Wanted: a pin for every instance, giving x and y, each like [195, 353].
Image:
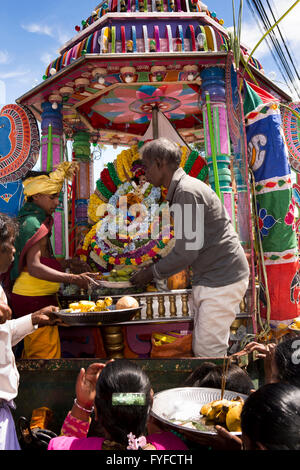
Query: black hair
[122, 376]
[209, 375]
[162, 149]
[271, 417]
[287, 360]
[33, 174]
[8, 226]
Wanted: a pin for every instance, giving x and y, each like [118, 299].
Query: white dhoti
[215, 309]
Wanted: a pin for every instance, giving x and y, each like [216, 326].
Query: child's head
[270, 418]
[209, 375]
[8, 231]
[286, 362]
[119, 420]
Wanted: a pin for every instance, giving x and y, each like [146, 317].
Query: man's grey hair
[162, 149]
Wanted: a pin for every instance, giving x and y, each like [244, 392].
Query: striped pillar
[84, 184]
[242, 199]
[216, 132]
[52, 154]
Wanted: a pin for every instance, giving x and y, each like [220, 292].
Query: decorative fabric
[19, 142]
[51, 184]
[11, 198]
[74, 432]
[34, 224]
[268, 158]
[291, 129]
[161, 441]
[73, 427]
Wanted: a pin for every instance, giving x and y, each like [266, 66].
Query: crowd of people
[113, 401]
[120, 395]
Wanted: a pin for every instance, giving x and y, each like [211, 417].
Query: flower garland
[138, 248]
[108, 181]
[100, 196]
[103, 189]
[114, 174]
[93, 206]
[184, 152]
[196, 166]
[87, 242]
[124, 163]
[190, 161]
[119, 167]
[139, 257]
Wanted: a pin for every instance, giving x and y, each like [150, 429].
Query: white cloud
[46, 58]
[62, 36]
[38, 28]
[289, 27]
[4, 57]
[57, 33]
[13, 74]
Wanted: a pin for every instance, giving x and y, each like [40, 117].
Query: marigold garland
[87, 242]
[184, 156]
[111, 178]
[93, 206]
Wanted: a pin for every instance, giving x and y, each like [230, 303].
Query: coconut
[126, 302]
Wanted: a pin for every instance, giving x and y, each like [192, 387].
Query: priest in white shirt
[11, 332]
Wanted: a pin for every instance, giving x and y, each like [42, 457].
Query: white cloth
[11, 332]
[3, 297]
[8, 435]
[215, 310]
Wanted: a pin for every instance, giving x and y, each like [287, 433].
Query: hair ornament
[136, 443]
[129, 399]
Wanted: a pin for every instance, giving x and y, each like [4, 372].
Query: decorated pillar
[52, 154]
[216, 132]
[84, 185]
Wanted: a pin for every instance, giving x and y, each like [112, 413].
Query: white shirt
[11, 332]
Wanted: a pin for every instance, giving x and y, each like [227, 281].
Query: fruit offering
[126, 302]
[86, 306]
[120, 275]
[225, 413]
[296, 324]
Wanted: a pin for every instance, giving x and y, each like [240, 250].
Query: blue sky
[31, 32]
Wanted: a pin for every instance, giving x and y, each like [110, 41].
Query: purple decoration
[228, 204]
[58, 238]
[53, 117]
[213, 81]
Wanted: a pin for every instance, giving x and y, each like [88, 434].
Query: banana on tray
[86, 306]
[224, 412]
